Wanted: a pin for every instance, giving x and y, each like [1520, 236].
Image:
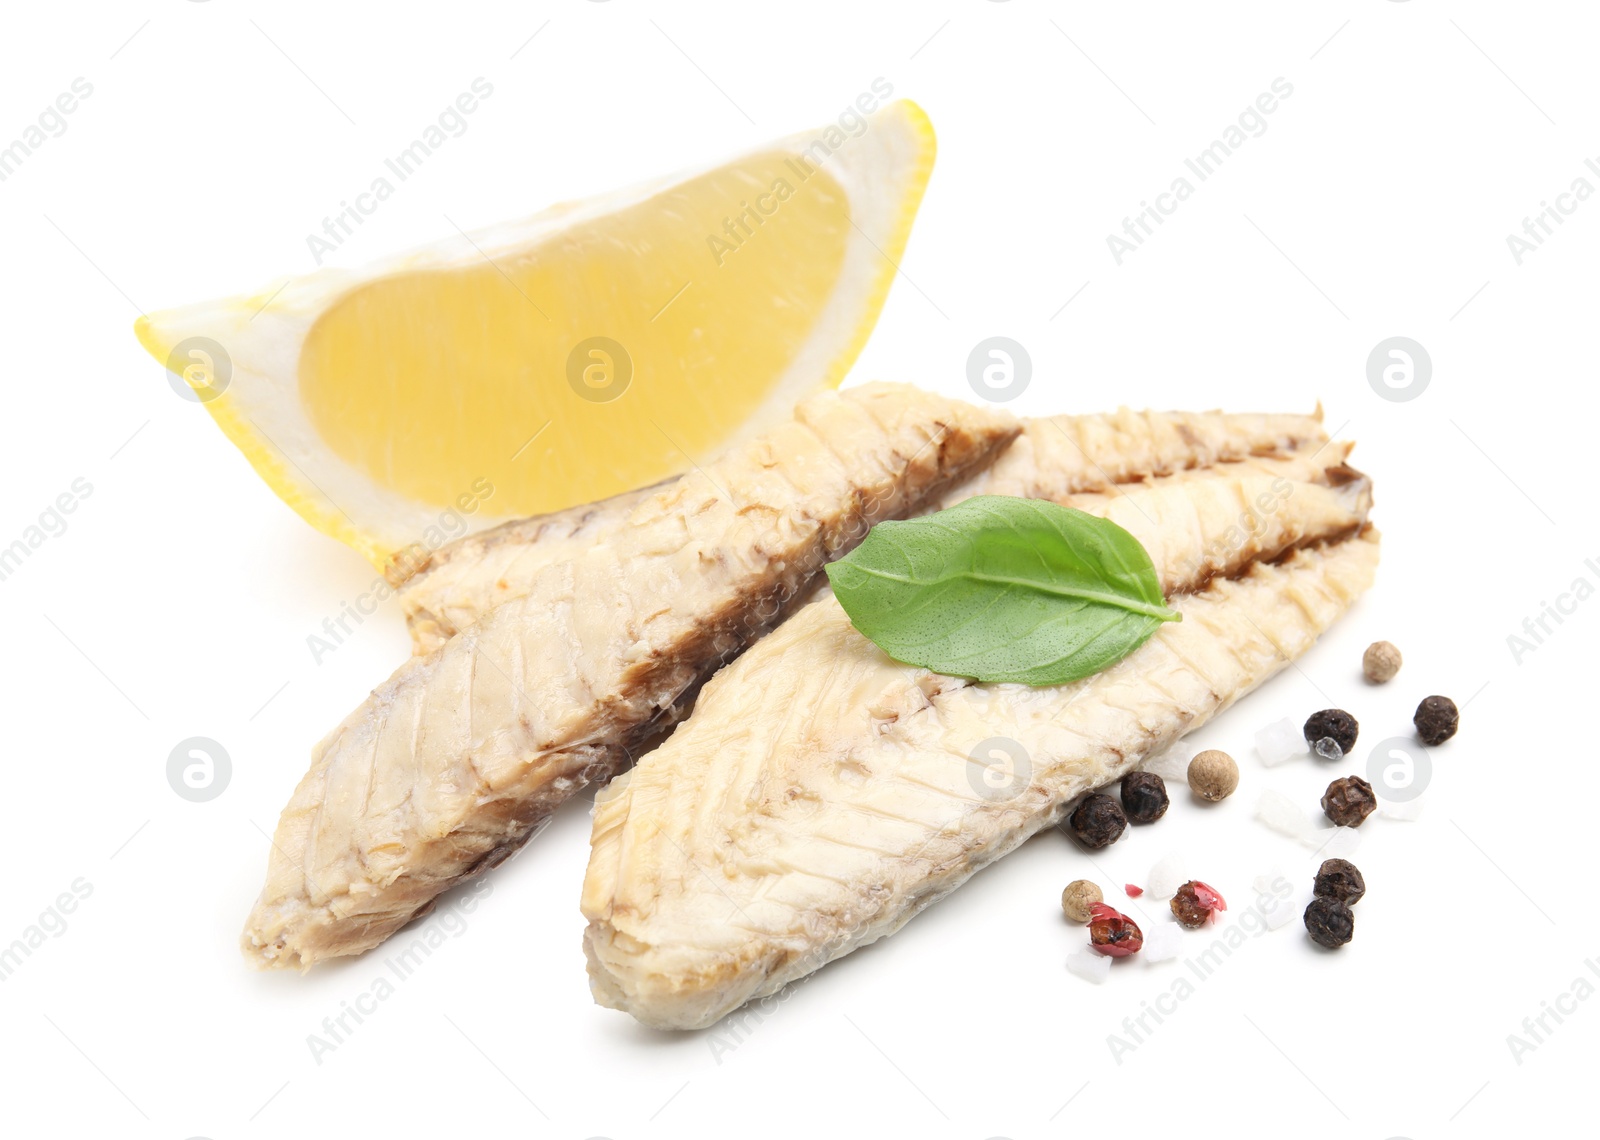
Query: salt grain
[1328, 748]
[1163, 941]
[1277, 906]
[1278, 912]
[1283, 815]
[1166, 876]
[1089, 966]
[1335, 842]
[1280, 741]
[1264, 884]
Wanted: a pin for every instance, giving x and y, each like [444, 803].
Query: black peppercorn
[1144, 797]
[1348, 801]
[1334, 725]
[1437, 720]
[1097, 822]
[1338, 879]
[1330, 923]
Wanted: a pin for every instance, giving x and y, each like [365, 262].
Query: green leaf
[1003, 589]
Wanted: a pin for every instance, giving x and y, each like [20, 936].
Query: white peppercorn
[1380, 662]
[1213, 775]
[1078, 899]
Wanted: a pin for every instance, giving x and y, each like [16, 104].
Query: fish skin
[749, 849]
[1058, 455]
[466, 579]
[449, 766]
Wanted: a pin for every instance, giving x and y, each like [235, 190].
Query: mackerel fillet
[450, 765]
[822, 794]
[462, 581]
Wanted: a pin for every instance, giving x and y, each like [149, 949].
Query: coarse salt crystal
[1267, 885]
[1283, 815]
[1277, 912]
[1276, 899]
[1089, 966]
[1163, 941]
[1335, 842]
[1279, 741]
[1166, 876]
[1328, 748]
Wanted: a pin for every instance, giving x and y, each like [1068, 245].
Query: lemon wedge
[591, 349]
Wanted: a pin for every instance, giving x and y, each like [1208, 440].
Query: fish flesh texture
[822, 794]
[446, 590]
[449, 766]
[464, 580]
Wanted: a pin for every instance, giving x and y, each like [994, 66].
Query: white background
[179, 600]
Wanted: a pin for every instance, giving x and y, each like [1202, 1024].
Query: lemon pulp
[433, 381]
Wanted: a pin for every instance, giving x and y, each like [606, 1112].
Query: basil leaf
[1003, 589]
